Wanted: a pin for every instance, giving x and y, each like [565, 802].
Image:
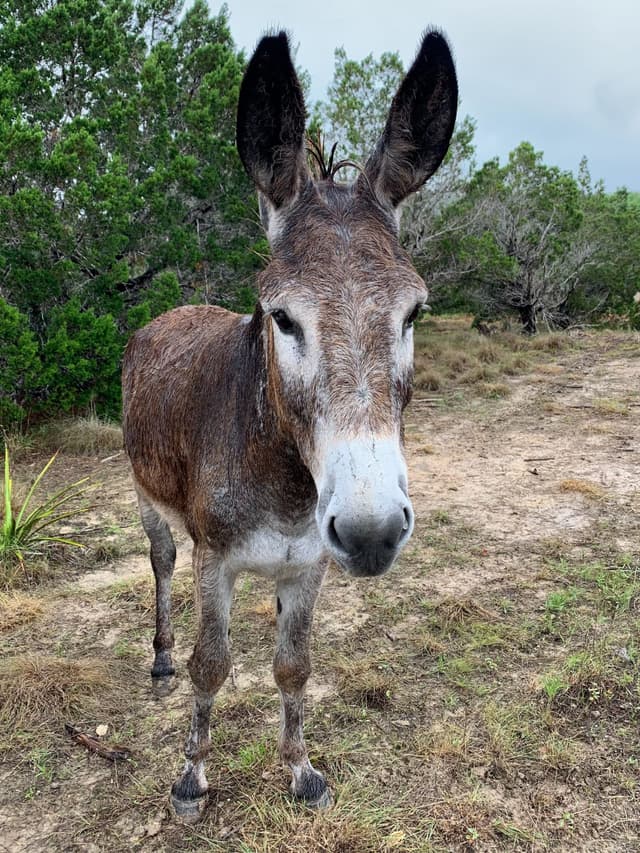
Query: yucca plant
[28, 531]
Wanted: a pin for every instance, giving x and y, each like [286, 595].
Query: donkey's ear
[271, 122]
[419, 126]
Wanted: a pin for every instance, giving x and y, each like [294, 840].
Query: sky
[562, 75]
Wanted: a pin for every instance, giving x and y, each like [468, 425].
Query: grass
[587, 488]
[29, 530]
[42, 692]
[450, 355]
[87, 436]
[17, 609]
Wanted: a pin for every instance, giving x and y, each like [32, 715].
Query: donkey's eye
[413, 316]
[284, 322]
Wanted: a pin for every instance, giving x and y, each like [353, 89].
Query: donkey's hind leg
[163, 559]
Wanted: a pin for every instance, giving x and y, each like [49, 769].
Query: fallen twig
[93, 744]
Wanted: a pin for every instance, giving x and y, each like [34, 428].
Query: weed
[25, 533]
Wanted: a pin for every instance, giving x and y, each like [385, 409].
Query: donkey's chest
[274, 551]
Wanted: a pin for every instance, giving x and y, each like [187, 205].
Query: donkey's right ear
[271, 122]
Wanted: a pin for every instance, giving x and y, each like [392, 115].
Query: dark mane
[322, 167]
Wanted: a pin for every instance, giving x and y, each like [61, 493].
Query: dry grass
[450, 354]
[611, 407]
[456, 611]
[17, 608]
[87, 436]
[365, 682]
[43, 691]
[583, 487]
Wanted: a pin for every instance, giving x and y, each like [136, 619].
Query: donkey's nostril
[407, 520]
[332, 533]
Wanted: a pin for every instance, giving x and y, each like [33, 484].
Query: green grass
[27, 531]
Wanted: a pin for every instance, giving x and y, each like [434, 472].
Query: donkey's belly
[277, 553]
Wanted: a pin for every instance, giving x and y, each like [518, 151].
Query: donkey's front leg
[208, 666]
[296, 598]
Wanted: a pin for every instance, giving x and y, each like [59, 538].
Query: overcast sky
[564, 75]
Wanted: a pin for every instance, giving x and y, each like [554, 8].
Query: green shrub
[81, 362]
[19, 364]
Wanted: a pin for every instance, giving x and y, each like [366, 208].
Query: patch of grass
[18, 608]
[41, 691]
[88, 436]
[42, 763]
[19, 444]
[611, 407]
[587, 488]
[365, 682]
[456, 611]
[251, 755]
[428, 379]
[449, 353]
[559, 600]
[597, 677]
[493, 390]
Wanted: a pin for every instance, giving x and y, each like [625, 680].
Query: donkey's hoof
[163, 685]
[189, 811]
[313, 791]
[324, 801]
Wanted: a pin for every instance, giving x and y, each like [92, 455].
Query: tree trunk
[528, 319]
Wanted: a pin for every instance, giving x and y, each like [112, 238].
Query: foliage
[25, 532]
[121, 192]
[358, 102]
[526, 249]
[19, 364]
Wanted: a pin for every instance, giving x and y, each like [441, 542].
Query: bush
[19, 364]
[81, 362]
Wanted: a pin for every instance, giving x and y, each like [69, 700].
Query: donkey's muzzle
[364, 514]
[367, 547]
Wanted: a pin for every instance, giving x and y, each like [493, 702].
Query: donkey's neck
[265, 449]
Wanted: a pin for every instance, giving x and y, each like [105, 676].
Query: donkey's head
[340, 295]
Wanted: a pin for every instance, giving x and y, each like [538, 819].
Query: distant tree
[527, 249]
[358, 98]
[609, 285]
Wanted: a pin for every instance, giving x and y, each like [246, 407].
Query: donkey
[276, 438]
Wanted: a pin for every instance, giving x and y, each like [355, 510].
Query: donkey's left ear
[271, 122]
[419, 127]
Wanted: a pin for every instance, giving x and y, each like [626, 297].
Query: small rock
[102, 729]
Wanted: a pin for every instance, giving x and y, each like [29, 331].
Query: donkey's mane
[325, 168]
